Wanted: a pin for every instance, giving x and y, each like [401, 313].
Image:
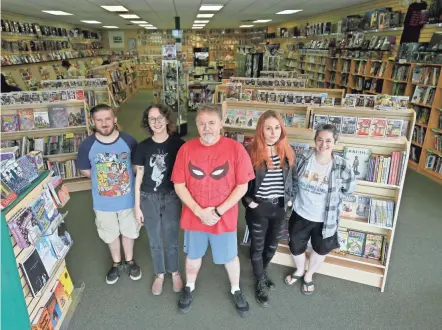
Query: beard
[208, 139]
[105, 133]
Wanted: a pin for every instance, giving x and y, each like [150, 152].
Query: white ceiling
[161, 13]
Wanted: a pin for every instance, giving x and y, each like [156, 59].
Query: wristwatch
[216, 212]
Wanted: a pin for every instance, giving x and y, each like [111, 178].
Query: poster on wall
[132, 43]
[116, 39]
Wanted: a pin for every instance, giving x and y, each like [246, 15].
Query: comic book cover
[24, 228]
[348, 206]
[336, 121]
[357, 159]
[342, 239]
[41, 119]
[299, 146]
[113, 176]
[298, 120]
[373, 246]
[378, 126]
[76, 116]
[58, 116]
[394, 127]
[319, 120]
[230, 117]
[349, 125]
[364, 125]
[26, 119]
[9, 123]
[356, 242]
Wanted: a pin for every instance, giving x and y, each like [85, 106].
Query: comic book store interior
[343, 233]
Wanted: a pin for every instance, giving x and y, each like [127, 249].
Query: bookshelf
[24, 307]
[344, 266]
[65, 132]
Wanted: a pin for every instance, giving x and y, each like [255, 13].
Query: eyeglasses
[160, 120]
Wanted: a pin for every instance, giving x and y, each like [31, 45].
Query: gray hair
[213, 108]
[328, 128]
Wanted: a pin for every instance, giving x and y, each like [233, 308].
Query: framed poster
[132, 44]
[116, 39]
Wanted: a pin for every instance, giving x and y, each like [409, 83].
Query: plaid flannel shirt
[342, 182]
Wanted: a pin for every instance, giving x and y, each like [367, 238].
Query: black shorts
[301, 230]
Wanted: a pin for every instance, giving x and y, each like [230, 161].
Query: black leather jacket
[289, 194]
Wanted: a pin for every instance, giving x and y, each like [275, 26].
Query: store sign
[116, 39]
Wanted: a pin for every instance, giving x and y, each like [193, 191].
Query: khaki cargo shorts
[110, 225]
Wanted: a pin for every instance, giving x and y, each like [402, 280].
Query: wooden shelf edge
[77, 184]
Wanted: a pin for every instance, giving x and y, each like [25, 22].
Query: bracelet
[216, 212]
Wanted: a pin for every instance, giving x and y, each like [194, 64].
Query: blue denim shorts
[224, 246]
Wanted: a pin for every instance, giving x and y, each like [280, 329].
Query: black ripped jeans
[266, 225]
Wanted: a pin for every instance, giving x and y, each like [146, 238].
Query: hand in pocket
[253, 205]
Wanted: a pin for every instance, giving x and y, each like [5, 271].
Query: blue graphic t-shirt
[111, 171]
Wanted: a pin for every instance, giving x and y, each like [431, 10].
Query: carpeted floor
[412, 299]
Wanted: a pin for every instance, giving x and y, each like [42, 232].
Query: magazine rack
[349, 267]
[21, 307]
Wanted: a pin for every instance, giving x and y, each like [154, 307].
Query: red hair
[258, 149]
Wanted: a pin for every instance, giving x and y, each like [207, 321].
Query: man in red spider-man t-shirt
[211, 174]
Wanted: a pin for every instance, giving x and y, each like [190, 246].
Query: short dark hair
[213, 108]
[329, 128]
[65, 63]
[100, 107]
[165, 112]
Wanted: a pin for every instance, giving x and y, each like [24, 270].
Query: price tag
[69, 135]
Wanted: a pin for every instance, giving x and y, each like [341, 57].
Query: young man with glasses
[106, 158]
[156, 203]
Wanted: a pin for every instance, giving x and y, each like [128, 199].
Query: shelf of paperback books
[369, 216]
[52, 123]
[38, 242]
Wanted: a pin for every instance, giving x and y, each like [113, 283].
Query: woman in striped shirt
[268, 196]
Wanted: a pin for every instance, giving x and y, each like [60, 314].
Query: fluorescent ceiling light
[145, 25]
[262, 21]
[197, 27]
[288, 12]
[114, 8]
[129, 16]
[91, 22]
[110, 27]
[245, 26]
[139, 22]
[205, 15]
[150, 28]
[201, 22]
[210, 7]
[57, 12]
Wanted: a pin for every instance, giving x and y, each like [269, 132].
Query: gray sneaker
[114, 273]
[134, 270]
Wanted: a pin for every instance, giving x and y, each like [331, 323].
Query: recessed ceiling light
[205, 15]
[288, 12]
[262, 21]
[57, 12]
[150, 28]
[110, 27]
[210, 7]
[201, 22]
[115, 8]
[129, 16]
[139, 22]
[197, 27]
[91, 22]
[145, 25]
[243, 26]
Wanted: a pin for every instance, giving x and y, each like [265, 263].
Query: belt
[274, 201]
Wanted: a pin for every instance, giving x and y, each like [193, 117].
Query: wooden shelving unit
[73, 184]
[352, 268]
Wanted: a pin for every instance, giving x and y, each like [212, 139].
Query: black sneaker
[134, 270]
[241, 304]
[262, 293]
[114, 273]
[270, 284]
[185, 300]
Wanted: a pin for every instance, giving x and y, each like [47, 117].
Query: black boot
[262, 293]
[270, 284]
